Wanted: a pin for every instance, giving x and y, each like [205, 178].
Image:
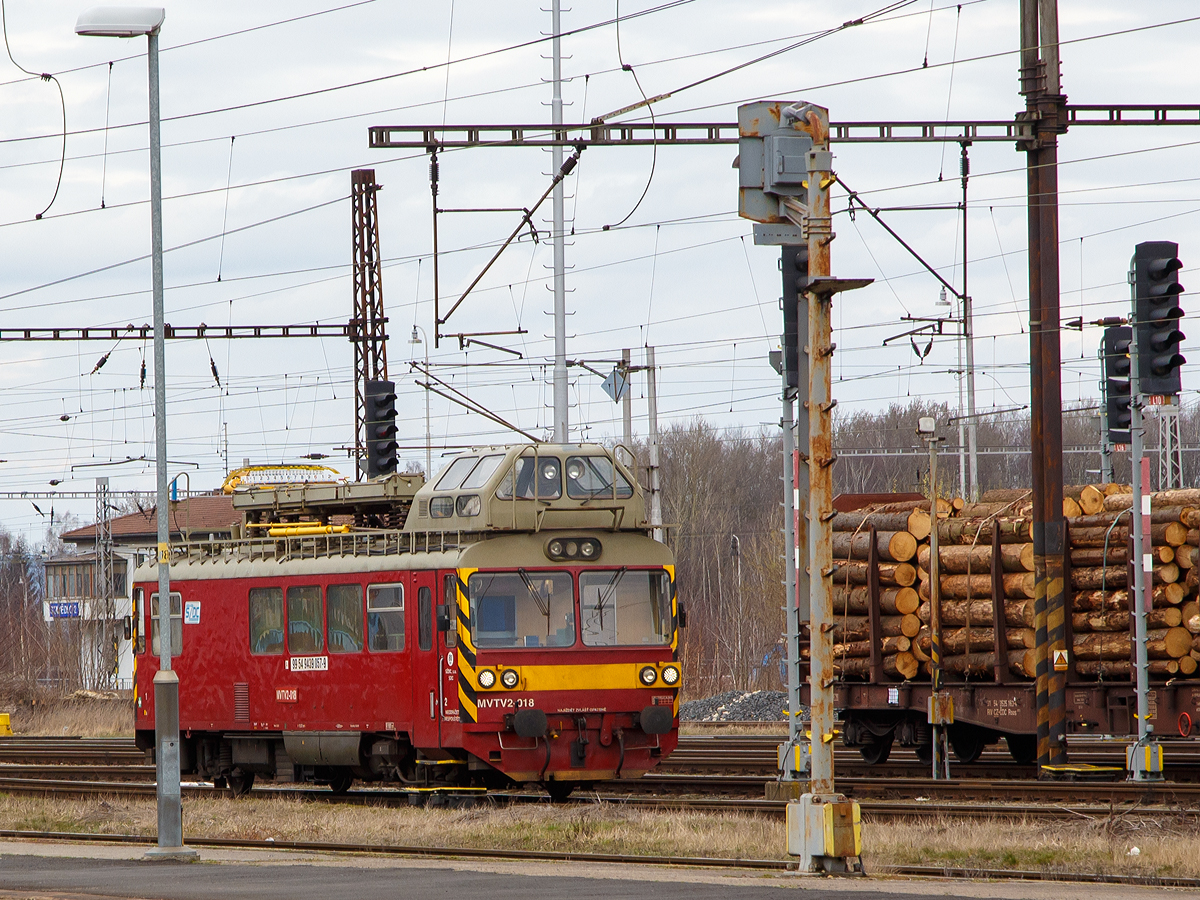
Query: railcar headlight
[487, 678]
[567, 549]
[670, 675]
[648, 675]
[509, 678]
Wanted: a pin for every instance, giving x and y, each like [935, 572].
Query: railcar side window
[305, 634]
[266, 620]
[176, 624]
[522, 609]
[425, 618]
[526, 482]
[385, 617]
[621, 608]
[344, 618]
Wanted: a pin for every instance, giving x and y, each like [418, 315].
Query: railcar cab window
[455, 473]
[622, 607]
[176, 624]
[589, 477]
[531, 479]
[344, 618]
[482, 472]
[522, 609]
[305, 629]
[266, 621]
[385, 618]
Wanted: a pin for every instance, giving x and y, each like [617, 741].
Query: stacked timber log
[986, 606]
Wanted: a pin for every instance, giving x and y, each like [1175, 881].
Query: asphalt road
[76, 872]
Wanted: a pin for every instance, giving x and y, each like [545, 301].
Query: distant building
[72, 589]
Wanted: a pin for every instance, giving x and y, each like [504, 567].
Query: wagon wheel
[1022, 747]
[240, 782]
[340, 782]
[559, 791]
[924, 752]
[876, 753]
[967, 744]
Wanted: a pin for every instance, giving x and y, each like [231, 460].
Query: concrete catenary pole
[560, 264]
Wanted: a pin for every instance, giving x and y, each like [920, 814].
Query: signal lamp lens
[648, 675]
[670, 675]
[574, 470]
[509, 679]
[555, 549]
[550, 472]
[487, 678]
[572, 549]
[587, 549]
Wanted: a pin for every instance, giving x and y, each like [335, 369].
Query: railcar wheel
[559, 791]
[340, 782]
[1022, 748]
[240, 783]
[877, 753]
[967, 743]
[924, 752]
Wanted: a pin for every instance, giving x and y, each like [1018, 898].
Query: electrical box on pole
[381, 428]
[1115, 361]
[1156, 291]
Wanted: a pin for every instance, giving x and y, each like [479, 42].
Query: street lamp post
[128, 22]
[428, 440]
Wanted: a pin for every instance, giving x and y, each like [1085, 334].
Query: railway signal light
[381, 428]
[1115, 365]
[794, 265]
[1156, 291]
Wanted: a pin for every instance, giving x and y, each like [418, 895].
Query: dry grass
[594, 828]
[1168, 847]
[85, 717]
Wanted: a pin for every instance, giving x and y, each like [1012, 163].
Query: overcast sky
[241, 150]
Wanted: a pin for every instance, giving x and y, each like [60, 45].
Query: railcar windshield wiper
[542, 605]
[608, 592]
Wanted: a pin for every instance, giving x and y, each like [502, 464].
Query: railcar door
[447, 637]
[427, 658]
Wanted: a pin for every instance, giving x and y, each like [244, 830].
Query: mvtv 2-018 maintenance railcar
[520, 626]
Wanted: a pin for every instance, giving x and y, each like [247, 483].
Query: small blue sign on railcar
[65, 610]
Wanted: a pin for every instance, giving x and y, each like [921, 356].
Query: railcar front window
[522, 609]
[344, 618]
[590, 477]
[305, 626]
[527, 481]
[266, 620]
[176, 624]
[622, 608]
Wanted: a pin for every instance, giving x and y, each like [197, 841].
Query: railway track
[729, 772]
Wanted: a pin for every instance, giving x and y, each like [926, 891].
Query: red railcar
[520, 627]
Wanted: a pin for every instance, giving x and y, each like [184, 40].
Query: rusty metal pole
[820, 455]
[1054, 115]
[1039, 84]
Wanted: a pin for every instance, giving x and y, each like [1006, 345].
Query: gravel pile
[737, 706]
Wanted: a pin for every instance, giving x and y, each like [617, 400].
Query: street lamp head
[120, 21]
[415, 339]
[926, 425]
